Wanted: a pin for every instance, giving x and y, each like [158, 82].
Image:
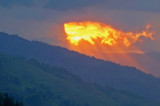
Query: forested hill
[38, 84]
[87, 68]
[6, 100]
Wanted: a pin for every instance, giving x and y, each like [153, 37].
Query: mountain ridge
[90, 69]
[37, 84]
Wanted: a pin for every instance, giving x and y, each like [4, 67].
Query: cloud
[11, 3]
[41, 23]
[65, 5]
[136, 5]
[43, 19]
[71, 4]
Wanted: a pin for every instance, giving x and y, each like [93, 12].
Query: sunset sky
[44, 20]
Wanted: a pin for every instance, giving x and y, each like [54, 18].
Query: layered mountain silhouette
[37, 84]
[89, 69]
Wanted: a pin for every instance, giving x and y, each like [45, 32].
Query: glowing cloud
[94, 31]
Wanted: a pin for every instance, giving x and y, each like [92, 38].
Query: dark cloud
[54, 4]
[72, 4]
[138, 5]
[10, 3]
[63, 5]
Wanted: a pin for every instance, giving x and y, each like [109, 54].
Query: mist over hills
[147, 62]
[91, 70]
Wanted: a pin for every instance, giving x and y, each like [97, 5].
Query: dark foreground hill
[6, 100]
[37, 84]
[88, 68]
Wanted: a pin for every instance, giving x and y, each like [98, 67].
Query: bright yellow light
[91, 31]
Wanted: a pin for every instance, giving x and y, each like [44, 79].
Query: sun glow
[106, 42]
[93, 31]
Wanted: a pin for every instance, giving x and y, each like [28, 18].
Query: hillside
[37, 84]
[88, 68]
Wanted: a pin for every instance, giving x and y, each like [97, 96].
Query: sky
[43, 20]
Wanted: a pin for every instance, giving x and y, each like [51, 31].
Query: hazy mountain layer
[37, 84]
[88, 68]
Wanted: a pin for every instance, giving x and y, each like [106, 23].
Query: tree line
[6, 100]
